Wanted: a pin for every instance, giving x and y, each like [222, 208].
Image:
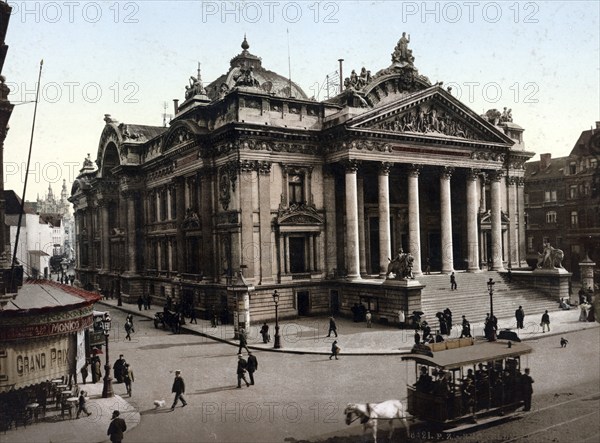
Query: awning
[38, 253]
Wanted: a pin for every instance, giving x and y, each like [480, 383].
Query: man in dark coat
[243, 341]
[118, 369]
[241, 371]
[332, 327]
[251, 366]
[116, 428]
[179, 389]
[545, 321]
[520, 316]
[527, 388]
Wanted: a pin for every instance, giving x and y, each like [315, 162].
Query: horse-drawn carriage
[459, 387]
[169, 319]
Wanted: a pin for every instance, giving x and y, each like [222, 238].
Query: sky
[131, 58]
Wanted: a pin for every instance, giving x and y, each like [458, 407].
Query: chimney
[176, 105]
[341, 60]
[545, 161]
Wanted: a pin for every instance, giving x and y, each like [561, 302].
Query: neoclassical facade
[300, 195]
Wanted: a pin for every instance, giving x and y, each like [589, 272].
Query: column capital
[520, 181]
[263, 167]
[494, 176]
[384, 168]
[511, 180]
[473, 174]
[246, 166]
[414, 170]
[446, 172]
[351, 165]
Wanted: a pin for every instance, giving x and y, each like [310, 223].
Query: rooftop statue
[245, 77]
[195, 88]
[401, 52]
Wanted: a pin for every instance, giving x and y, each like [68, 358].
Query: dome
[246, 70]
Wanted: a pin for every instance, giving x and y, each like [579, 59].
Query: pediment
[299, 214]
[432, 113]
[181, 133]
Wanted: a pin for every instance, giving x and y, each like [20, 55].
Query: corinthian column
[446, 220]
[521, 212]
[414, 223]
[496, 219]
[352, 243]
[513, 241]
[385, 249]
[472, 234]
[105, 245]
[131, 232]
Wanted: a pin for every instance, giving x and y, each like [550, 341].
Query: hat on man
[177, 371]
[116, 414]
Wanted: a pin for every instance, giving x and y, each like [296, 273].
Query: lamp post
[490, 285]
[107, 390]
[277, 344]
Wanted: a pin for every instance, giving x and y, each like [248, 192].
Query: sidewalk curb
[234, 343]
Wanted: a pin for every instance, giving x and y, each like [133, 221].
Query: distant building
[562, 202]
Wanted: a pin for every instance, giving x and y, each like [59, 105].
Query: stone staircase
[472, 298]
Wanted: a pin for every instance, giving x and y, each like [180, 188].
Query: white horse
[370, 413]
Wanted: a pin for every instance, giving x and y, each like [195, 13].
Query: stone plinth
[554, 282]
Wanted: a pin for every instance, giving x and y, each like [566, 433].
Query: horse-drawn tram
[461, 384]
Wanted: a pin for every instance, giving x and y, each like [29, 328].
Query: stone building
[309, 198]
[562, 202]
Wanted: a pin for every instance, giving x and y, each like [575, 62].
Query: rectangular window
[574, 219]
[559, 242]
[572, 168]
[526, 199]
[573, 191]
[530, 243]
[173, 204]
[551, 217]
[296, 188]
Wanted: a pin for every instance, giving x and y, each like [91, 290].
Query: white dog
[159, 404]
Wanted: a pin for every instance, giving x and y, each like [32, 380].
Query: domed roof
[246, 70]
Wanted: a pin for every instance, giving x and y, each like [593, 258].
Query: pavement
[305, 335]
[53, 428]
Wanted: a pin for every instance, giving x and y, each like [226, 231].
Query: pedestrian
[118, 368]
[116, 428]
[140, 302]
[193, 315]
[147, 302]
[368, 317]
[243, 341]
[448, 319]
[466, 328]
[179, 389]
[335, 350]
[453, 286]
[82, 405]
[251, 366]
[85, 370]
[527, 389]
[264, 332]
[332, 327]
[241, 371]
[128, 378]
[401, 318]
[520, 316]
[96, 370]
[129, 318]
[128, 329]
[427, 267]
[545, 321]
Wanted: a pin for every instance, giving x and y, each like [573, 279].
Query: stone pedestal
[554, 282]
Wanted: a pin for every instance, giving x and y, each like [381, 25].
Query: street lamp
[490, 285]
[277, 344]
[107, 390]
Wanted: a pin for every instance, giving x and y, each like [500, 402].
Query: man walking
[369, 318]
[118, 368]
[332, 327]
[243, 341]
[179, 389]
[520, 316]
[453, 286]
[128, 378]
[545, 321]
[251, 366]
[335, 350]
[241, 371]
[116, 428]
[82, 405]
[128, 330]
[466, 328]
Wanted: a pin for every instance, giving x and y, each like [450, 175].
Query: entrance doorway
[297, 255]
[303, 303]
[334, 302]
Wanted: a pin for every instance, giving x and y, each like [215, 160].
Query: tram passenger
[497, 387]
[482, 385]
[468, 396]
[425, 382]
[527, 389]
